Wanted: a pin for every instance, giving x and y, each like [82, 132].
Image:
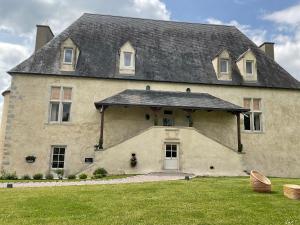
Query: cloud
[287, 38]
[10, 54]
[258, 36]
[290, 16]
[60, 13]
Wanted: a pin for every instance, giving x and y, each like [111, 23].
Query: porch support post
[238, 120]
[155, 111]
[102, 110]
[189, 116]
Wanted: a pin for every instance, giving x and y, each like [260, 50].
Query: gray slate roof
[183, 100]
[165, 51]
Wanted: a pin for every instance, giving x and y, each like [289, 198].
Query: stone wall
[275, 151]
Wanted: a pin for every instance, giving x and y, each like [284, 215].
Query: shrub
[98, 176]
[49, 176]
[26, 177]
[100, 171]
[82, 176]
[72, 177]
[60, 173]
[8, 176]
[38, 176]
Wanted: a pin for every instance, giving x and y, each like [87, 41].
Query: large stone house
[171, 96]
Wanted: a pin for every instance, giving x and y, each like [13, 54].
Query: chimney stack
[43, 35]
[268, 48]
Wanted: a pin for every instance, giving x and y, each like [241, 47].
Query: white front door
[171, 156]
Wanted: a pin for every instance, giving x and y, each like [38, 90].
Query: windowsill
[67, 63]
[252, 132]
[60, 123]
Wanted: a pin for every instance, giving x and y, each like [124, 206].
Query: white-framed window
[224, 64]
[58, 157]
[170, 151]
[249, 67]
[127, 59]
[60, 104]
[68, 56]
[253, 118]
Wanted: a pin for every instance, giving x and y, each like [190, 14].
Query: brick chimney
[43, 35]
[268, 48]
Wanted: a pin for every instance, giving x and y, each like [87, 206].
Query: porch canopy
[158, 99]
[183, 100]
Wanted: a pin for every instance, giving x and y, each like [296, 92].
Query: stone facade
[274, 151]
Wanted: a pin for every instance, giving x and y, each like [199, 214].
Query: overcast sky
[262, 20]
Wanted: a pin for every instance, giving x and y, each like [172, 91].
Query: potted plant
[60, 173]
[133, 160]
[30, 159]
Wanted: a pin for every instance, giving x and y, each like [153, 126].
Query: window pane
[54, 111]
[55, 93]
[55, 150]
[168, 147]
[168, 154]
[68, 55]
[249, 67]
[256, 104]
[174, 147]
[62, 151]
[224, 66]
[247, 103]
[127, 58]
[67, 93]
[61, 165]
[174, 154]
[257, 121]
[55, 158]
[61, 158]
[54, 165]
[66, 112]
[247, 121]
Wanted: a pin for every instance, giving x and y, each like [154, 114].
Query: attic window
[127, 58]
[224, 65]
[68, 55]
[249, 67]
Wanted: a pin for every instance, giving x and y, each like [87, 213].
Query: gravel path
[133, 179]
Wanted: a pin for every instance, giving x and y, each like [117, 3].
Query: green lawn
[199, 201]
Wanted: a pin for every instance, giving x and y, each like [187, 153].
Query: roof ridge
[160, 20]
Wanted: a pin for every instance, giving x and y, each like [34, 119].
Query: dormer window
[224, 65]
[246, 64]
[127, 59]
[249, 67]
[68, 55]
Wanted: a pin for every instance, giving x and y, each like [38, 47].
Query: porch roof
[184, 100]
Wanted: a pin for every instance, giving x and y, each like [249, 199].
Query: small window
[127, 58]
[88, 160]
[58, 157]
[60, 104]
[247, 121]
[224, 65]
[249, 67]
[68, 55]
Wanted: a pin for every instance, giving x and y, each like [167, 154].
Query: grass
[201, 201]
[66, 180]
